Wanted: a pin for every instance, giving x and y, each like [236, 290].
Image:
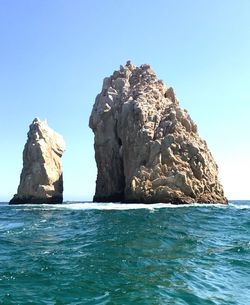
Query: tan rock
[147, 147]
[41, 179]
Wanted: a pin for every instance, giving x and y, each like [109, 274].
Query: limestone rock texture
[41, 179]
[147, 147]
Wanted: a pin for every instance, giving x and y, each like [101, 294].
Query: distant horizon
[91, 201]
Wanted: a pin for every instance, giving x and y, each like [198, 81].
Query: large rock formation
[41, 179]
[147, 148]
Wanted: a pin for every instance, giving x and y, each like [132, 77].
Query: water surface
[87, 253]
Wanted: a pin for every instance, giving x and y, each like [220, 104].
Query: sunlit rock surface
[41, 179]
[147, 147]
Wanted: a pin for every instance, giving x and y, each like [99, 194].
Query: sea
[112, 253]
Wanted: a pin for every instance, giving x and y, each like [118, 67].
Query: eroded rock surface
[147, 147]
[41, 179]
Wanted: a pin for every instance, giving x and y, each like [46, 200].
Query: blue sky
[55, 54]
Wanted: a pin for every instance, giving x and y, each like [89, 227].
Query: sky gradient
[55, 54]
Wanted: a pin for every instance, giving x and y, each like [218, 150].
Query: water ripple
[79, 253]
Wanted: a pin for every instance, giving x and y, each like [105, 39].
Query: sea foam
[120, 206]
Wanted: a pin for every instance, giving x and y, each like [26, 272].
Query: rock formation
[147, 148]
[41, 179]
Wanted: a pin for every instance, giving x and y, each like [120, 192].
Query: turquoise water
[83, 253]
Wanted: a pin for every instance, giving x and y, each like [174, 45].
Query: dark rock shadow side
[17, 199]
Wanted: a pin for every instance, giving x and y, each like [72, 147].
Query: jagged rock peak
[41, 180]
[147, 147]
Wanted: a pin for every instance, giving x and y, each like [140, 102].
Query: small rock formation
[41, 179]
[147, 148]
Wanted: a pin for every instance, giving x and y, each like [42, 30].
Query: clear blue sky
[55, 54]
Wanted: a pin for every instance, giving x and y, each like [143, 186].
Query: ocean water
[88, 253]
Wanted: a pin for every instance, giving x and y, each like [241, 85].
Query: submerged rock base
[147, 147]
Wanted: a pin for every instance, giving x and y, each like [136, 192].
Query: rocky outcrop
[41, 179]
[147, 147]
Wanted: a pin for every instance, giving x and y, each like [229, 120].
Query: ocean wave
[119, 206]
[239, 206]
[185, 254]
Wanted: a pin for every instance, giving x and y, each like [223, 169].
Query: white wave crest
[125, 206]
[239, 206]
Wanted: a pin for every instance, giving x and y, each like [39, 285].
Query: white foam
[124, 206]
[239, 206]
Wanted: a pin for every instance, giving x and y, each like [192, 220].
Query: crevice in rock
[145, 137]
[122, 176]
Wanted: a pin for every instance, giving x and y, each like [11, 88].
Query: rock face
[41, 179]
[147, 148]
